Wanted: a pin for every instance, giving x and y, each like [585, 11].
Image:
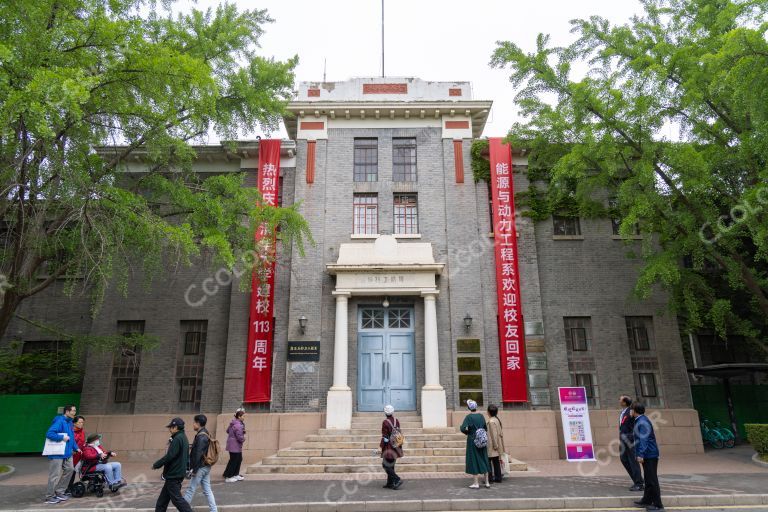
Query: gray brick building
[405, 245]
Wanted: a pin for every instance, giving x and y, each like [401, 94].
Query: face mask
[96, 443]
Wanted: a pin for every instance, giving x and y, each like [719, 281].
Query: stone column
[433, 407]
[339, 404]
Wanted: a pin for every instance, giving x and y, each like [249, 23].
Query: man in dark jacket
[647, 452]
[174, 466]
[201, 472]
[627, 444]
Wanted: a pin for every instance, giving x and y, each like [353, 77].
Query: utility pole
[382, 38]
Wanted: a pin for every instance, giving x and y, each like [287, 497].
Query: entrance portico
[386, 268]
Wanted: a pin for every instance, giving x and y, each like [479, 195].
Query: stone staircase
[356, 451]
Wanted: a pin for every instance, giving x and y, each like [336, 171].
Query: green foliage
[481, 167]
[38, 372]
[757, 435]
[670, 119]
[79, 74]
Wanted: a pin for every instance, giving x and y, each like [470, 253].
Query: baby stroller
[91, 481]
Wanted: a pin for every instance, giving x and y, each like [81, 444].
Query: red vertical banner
[258, 364]
[514, 385]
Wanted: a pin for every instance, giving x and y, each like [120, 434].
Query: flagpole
[382, 38]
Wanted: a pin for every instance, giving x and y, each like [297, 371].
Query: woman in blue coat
[477, 458]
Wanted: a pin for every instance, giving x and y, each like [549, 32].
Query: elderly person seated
[96, 458]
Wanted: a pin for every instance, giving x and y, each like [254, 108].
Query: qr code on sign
[576, 429]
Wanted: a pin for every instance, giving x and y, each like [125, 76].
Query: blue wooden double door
[386, 359]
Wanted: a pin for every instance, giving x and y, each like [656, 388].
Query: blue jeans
[113, 471]
[203, 478]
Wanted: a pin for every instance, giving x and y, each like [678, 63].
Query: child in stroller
[96, 470]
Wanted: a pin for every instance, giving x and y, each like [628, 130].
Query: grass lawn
[4, 468]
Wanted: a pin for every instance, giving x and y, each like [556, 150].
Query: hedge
[757, 434]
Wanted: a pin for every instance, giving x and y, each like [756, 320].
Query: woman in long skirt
[477, 458]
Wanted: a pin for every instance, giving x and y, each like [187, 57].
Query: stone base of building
[339, 409]
[528, 435]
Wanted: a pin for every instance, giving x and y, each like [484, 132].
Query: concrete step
[344, 438]
[376, 430]
[373, 467]
[377, 424]
[362, 452]
[361, 461]
[323, 444]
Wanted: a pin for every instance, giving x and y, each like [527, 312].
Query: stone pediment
[385, 266]
[386, 251]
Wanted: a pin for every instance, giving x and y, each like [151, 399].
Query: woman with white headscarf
[389, 452]
[474, 428]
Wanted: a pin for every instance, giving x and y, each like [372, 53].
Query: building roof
[386, 98]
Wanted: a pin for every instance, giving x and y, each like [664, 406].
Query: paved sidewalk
[715, 478]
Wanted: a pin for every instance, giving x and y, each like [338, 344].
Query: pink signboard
[574, 411]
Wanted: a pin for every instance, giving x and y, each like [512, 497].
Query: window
[577, 333]
[372, 319]
[187, 389]
[192, 342]
[190, 363]
[126, 363]
[585, 380]
[366, 159]
[123, 390]
[399, 318]
[578, 337]
[638, 333]
[566, 226]
[648, 385]
[406, 214]
[366, 214]
[404, 159]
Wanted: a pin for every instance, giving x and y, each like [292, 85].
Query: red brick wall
[312, 125]
[456, 125]
[385, 88]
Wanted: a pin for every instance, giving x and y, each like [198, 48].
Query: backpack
[396, 438]
[211, 456]
[481, 438]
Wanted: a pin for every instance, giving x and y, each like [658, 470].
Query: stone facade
[583, 276]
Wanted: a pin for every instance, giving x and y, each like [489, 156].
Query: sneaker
[239, 477]
[231, 479]
[52, 500]
[397, 484]
[62, 497]
[637, 487]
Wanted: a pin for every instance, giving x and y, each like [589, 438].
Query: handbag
[54, 447]
[505, 464]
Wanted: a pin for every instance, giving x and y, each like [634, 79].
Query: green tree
[77, 74]
[697, 69]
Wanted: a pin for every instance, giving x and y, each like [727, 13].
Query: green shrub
[757, 434]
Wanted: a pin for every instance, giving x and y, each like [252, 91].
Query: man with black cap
[174, 466]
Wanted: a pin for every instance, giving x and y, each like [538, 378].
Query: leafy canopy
[670, 118]
[76, 75]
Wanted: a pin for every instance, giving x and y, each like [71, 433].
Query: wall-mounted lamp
[302, 324]
[467, 321]
[386, 302]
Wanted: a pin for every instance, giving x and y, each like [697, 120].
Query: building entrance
[386, 359]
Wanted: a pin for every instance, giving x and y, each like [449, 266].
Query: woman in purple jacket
[235, 440]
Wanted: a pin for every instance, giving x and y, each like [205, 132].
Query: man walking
[60, 467]
[647, 452]
[174, 466]
[201, 472]
[627, 444]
